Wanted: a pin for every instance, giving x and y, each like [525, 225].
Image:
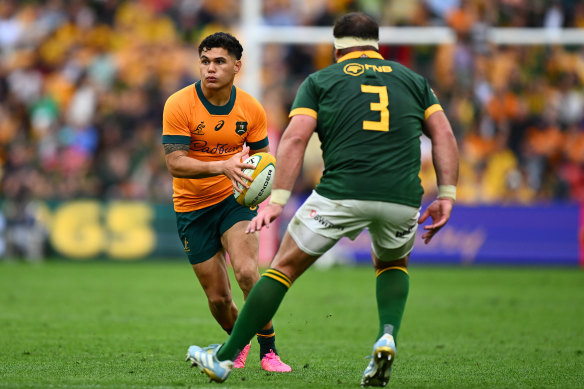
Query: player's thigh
[393, 231]
[291, 259]
[242, 248]
[315, 228]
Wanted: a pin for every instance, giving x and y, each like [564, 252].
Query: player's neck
[217, 96]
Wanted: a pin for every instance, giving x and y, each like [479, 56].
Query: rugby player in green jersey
[369, 114]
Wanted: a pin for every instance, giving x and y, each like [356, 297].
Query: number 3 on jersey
[381, 107]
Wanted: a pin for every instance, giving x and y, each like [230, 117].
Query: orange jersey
[213, 133]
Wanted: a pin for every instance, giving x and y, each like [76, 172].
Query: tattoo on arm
[170, 147]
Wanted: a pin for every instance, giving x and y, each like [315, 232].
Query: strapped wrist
[280, 196]
[447, 192]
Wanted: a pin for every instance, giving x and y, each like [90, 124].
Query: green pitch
[113, 325]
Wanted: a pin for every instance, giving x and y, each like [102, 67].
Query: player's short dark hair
[357, 24]
[223, 40]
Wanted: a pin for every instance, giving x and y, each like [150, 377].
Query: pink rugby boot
[271, 362]
[239, 362]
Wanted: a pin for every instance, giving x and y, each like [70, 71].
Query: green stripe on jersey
[180, 139]
[259, 144]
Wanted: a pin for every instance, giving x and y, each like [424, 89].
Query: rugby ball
[263, 176]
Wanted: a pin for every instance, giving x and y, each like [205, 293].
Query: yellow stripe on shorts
[278, 276]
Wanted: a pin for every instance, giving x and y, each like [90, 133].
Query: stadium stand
[83, 83]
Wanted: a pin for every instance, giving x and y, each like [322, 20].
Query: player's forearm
[445, 158]
[290, 157]
[290, 154]
[184, 166]
[444, 148]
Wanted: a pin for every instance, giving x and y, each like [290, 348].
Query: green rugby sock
[392, 287]
[260, 306]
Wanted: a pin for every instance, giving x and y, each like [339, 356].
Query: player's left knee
[381, 264]
[246, 277]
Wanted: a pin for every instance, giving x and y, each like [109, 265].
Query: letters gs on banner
[87, 229]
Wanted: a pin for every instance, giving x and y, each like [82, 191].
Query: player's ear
[237, 66]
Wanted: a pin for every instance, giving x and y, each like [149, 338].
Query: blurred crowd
[83, 84]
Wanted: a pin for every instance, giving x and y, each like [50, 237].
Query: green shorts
[200, 231]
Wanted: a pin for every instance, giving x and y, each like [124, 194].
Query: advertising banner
[502, 235]
[122, 230]
[90, 229]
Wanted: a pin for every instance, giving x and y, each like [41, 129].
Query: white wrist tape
[447, 192]
[280, 196]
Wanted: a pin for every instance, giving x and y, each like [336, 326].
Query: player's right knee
[220, 301]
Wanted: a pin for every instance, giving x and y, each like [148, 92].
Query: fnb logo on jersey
[356, 69]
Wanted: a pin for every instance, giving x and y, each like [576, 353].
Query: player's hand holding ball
[234, 169]
[258, 175]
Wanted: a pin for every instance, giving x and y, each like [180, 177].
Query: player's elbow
[295, 141]
[292, 146]
[174, 167]
[176, 173]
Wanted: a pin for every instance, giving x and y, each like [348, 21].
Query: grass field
[128, 325]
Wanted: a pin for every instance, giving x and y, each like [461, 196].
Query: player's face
[218, 68]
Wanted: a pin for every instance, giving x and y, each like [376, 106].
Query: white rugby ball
[261, 186]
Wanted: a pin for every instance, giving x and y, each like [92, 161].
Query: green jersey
[370, 114]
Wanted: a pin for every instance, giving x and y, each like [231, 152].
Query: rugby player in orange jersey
[208, 129]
